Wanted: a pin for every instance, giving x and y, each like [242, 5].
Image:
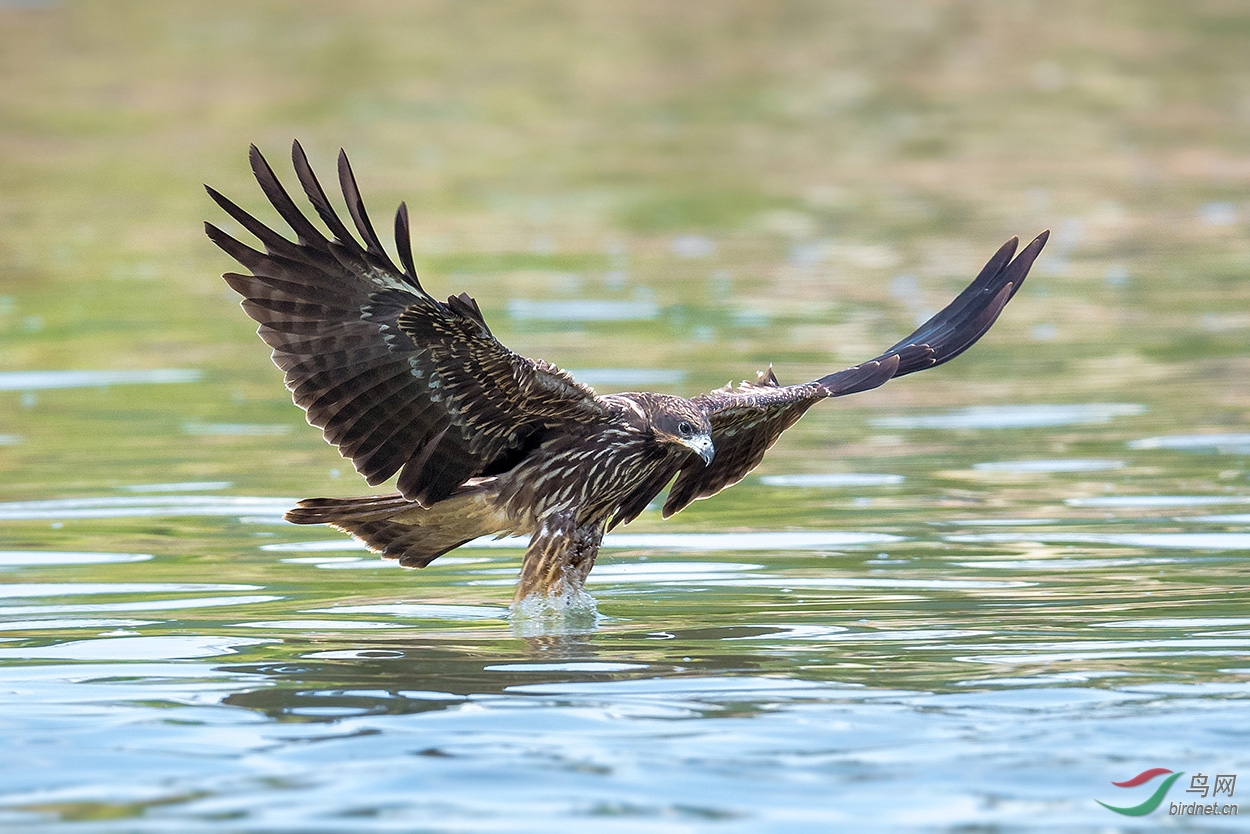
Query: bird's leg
[560, 555]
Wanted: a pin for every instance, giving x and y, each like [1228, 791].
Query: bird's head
[679, 422]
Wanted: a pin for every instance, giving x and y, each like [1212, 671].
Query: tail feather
[401, 529]
[330, 510]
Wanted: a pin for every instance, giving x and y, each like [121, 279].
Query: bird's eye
[685, 428]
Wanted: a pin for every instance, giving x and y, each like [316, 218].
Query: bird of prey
[486, 442]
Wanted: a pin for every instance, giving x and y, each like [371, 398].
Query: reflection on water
[228, 429]
[1106, 649]
[61, 589]
[29, 558]
[1226, 444]
[311, 625]
[722, 542]
[1040, 415]
[1177, 622]
[1157, 501]
[185, 486]
[659, 572]
[178, 604]
[832, 480]
[420, 611]
[582, 310]
[125, 506]
[870, 582]
[636, 378]
[565, 667]
[160, 647]
[60, 623]
[1030, 467]
[725, 542]
[42, 380]
[1185, 541]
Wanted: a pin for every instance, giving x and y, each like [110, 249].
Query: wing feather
[403, 243]
[305, 231]
[356, 208]
[746, 421]
[317, 196]
[398, 381]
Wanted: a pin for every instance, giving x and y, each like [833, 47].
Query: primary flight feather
[485, 441]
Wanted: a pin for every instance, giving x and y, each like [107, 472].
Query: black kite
[486, 442]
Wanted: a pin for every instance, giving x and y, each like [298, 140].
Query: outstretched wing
[747, 420]
[398, 381]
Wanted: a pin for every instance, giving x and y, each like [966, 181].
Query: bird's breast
[590, 473]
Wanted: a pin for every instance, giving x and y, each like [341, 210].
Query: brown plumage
[487, 442]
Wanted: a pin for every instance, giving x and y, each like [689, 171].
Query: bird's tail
[404, 530]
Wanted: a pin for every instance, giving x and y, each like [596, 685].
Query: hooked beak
[702, 446]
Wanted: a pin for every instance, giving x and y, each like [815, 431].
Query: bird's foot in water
[563, 611]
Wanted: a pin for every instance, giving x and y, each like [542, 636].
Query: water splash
[564, 613]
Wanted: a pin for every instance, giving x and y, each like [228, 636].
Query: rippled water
[1032, 602]
[873, 660]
